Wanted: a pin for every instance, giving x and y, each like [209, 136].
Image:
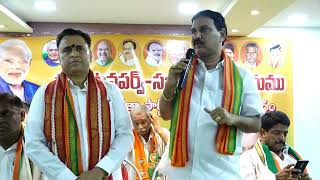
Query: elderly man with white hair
[150, 140]
[15, 60]
[50, 53]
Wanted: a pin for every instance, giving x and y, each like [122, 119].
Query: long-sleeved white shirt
[7, 158]
[204, 161]
[121, 134]
[252, 167]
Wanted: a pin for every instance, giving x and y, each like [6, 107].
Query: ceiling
[15, 14]
[309, 8]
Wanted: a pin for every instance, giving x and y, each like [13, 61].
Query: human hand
[286, 173]
[154, 119]
[94, 174]
[221, 116]
[305, 176]
[174, 76]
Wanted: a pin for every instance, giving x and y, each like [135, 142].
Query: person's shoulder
[42, 89]
[248, 155]
[112, 88]
[3, 82]
[109, 84]
[4, 86]
[244, 72]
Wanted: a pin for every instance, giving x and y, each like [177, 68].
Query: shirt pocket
[213, 98]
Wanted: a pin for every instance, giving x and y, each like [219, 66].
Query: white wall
[306, 89]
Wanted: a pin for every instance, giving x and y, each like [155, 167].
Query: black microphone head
[190, 53]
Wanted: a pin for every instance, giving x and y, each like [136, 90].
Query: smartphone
[301, 164]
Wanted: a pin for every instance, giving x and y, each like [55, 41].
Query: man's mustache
[281, 142]
[198, 41]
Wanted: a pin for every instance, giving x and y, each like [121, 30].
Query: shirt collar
[218, 66]
[285, 149]
[101, 63]
[75, 86]
[13, 147]
[151, 136]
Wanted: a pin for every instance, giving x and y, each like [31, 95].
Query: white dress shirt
[204, 161]
[121, 134]
[152, 62]
[251, 65]
[129, 62]
[7, 158]
[287, 159]
[252, 167]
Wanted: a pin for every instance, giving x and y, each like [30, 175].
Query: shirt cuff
[107, 164]
[67, 174]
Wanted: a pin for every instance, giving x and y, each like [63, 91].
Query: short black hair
[217, 18]
[229, 46]
[26, 106]
[252, 44]
[11, 100]
[127, 41]
[270, 119]
[275, 47]
[148, 47]
[73, 32]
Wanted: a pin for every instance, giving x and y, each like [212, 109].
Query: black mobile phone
[301, 164]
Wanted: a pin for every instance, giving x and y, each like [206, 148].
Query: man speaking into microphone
[218, 102]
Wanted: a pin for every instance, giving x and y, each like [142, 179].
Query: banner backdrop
[139, 64]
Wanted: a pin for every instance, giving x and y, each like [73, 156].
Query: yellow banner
[141, 74]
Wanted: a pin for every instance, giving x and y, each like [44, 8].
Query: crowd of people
[78, 126]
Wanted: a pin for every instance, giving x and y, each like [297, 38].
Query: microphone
[184, 74]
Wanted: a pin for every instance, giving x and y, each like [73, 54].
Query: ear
[23, 115]
[223, 35]
[263, 133]
[90, 54]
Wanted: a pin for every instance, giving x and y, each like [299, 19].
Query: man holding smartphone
[271, 157]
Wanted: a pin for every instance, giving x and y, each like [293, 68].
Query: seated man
[13, 162]
[271, 158]
[149, 143]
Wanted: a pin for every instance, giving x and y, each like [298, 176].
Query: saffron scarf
[60, 125]
[226, 135]
[19, 160]
[269, 160]
[146, 166]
